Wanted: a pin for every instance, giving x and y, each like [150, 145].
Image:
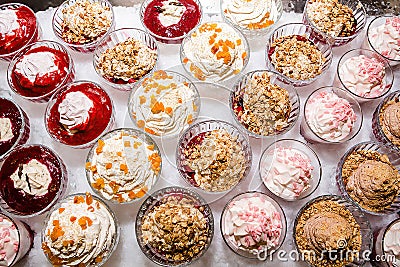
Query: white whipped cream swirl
[6, 133]
[36, 65]
[386, 38]
[8, 22]
[74, 111]
[391, 242]
[172, 11]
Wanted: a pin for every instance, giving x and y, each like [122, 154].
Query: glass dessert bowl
[123, 166]
[368, 175]
[343, 20]
[294, 51]
[385, 121]
[19, 29]
[331, 115]
[254, 17]
[33, 178]
[82, 24]
[214, 52]
[164, 103]
[253, 224]
[80, 230]
[213, 156]
[16, 238]
[78, 113]
[330, 231]
[365, 74]
[382, 37]
[37, 71]
[124, 57]
[386, 245]
[264, 103]
[169, 21]
[193, 216]
[290, 169]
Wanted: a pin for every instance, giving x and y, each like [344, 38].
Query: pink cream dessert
[364, 76]
[385, 38]
[252, 223]
[287, 172]
[329, 116]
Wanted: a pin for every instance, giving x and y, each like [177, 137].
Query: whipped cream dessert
[6, 132]
[329, 116]
[386, 38]
[251, 14]
[33, 178]
[123, 166]
[74, 111]
[364, 76]
[85, 21]
[214, 52]
[389, 120]
[286, 172]
[253, 224]
[391, 242]
[8, 22]
[171, 12]
[162, 105]
[82, 231]
[9, 241]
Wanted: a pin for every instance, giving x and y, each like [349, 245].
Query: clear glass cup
[377, 128]
[113, 39]
[193, 68]
[164, 124]
[393, 157]
[82, 48]
[274, 7]
[359, 14]
[58, 133]
[311, 136]
[99, 213]
[380, 257]
[197, 131]
[20, 233]
[163, 196]
[226, 222]
[239, 89]
[164, 39]
[20, 118]
[322, 42]
[266, 168]
[368, 41]
[36, 35]
[359, 216]
[143, 183]
[388, 78]
[14, 198]
[69, 77]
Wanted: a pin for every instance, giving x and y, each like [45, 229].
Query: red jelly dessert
[32, 179]
[14, 126]
[171, 18]
[36, 72]
[18, 27]
[79, 113]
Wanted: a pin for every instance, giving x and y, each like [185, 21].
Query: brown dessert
[389, 120]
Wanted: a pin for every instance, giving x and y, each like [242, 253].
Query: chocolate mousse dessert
[389, 120]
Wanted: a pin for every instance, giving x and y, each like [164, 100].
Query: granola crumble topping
[332, 17]
[371, 180]
[296, 57]
[129, 61]
[261, 106]
[327, 226]
[216, 160]
[85, 21]
[176, 228]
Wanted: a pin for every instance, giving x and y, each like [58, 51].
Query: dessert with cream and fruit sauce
[124, 165]
[164, 103]
[18, 28]
[80, 231]
[33, 178]
[79, 113]
[214, 52]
